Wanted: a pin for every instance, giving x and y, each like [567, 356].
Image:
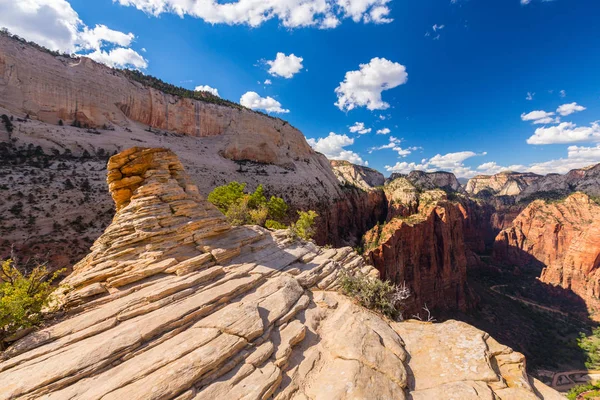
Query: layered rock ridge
[561, 237]
[173, 303]
[218, 144]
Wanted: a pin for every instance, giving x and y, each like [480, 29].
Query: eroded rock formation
[563, 238]
[427, 252]
[172, 302]
[218, 143]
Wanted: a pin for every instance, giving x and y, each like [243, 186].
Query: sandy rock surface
[172, 302]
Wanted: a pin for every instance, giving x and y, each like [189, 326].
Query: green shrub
[586, 387]
[271, 224]
[591, 348]
[248, 208]
[374, 294]
[224, 196]
[304, 227]
[278, 208]
[22, 297]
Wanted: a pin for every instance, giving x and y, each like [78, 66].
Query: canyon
[172, 302]
[271, 305]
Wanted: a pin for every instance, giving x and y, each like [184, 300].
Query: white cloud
[525, 2]
[119, 57]
[253, 101]
[451, 162]
[540, 117]
[437, 27]
[529, 96]
[333, 147]
[268, 82]
[97, 37]
[57, 26]
[383, 131]
[577, 157]
[359, 127]
[394, 144]
[363, 88]
[566, 132]
[292, 13]
[563, 93]
[206, 88]
[285, 66]
[568, 109]
[492, 168]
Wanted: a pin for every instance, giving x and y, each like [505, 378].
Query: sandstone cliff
[174, 303]
[364, 178]
[219, 144]
[430, 180]
[502, 184]
[561, 237]
[427, 252]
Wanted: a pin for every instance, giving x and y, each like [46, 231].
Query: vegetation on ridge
[242, 208]
[22, 297]
[375, 294]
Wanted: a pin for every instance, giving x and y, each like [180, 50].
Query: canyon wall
[173, 303]
[220, 143]
[561, 237]
[427, 252]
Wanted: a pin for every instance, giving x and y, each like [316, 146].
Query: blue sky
[462, 91]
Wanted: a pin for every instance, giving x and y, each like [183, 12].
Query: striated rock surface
[561, 237]
[50, 88]
[172, 303]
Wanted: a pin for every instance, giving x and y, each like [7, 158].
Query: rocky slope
[563, 238]
[219, 143]
[528, 186]
[502, 184]
[364, 178]
[429, 180]
[172, 302]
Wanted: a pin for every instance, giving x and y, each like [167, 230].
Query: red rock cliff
[427, 252]
[563, 238]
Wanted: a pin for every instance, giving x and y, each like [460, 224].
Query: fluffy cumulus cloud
[359, 127]
[57, 26]
[285, 66]
[577, 157]
[566, 132]
[394, 145]
[119, 57]
[255, 102]
[206, 88]
[568, 109]
[383, 131]
[540, 117]
[333, 147]
[491, 168]
[363, 88]
[325, 14]
[451, 162]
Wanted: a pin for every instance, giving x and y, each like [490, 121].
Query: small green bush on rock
[248, 208]
[374, 294]
[22, 297]
[304, 227]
